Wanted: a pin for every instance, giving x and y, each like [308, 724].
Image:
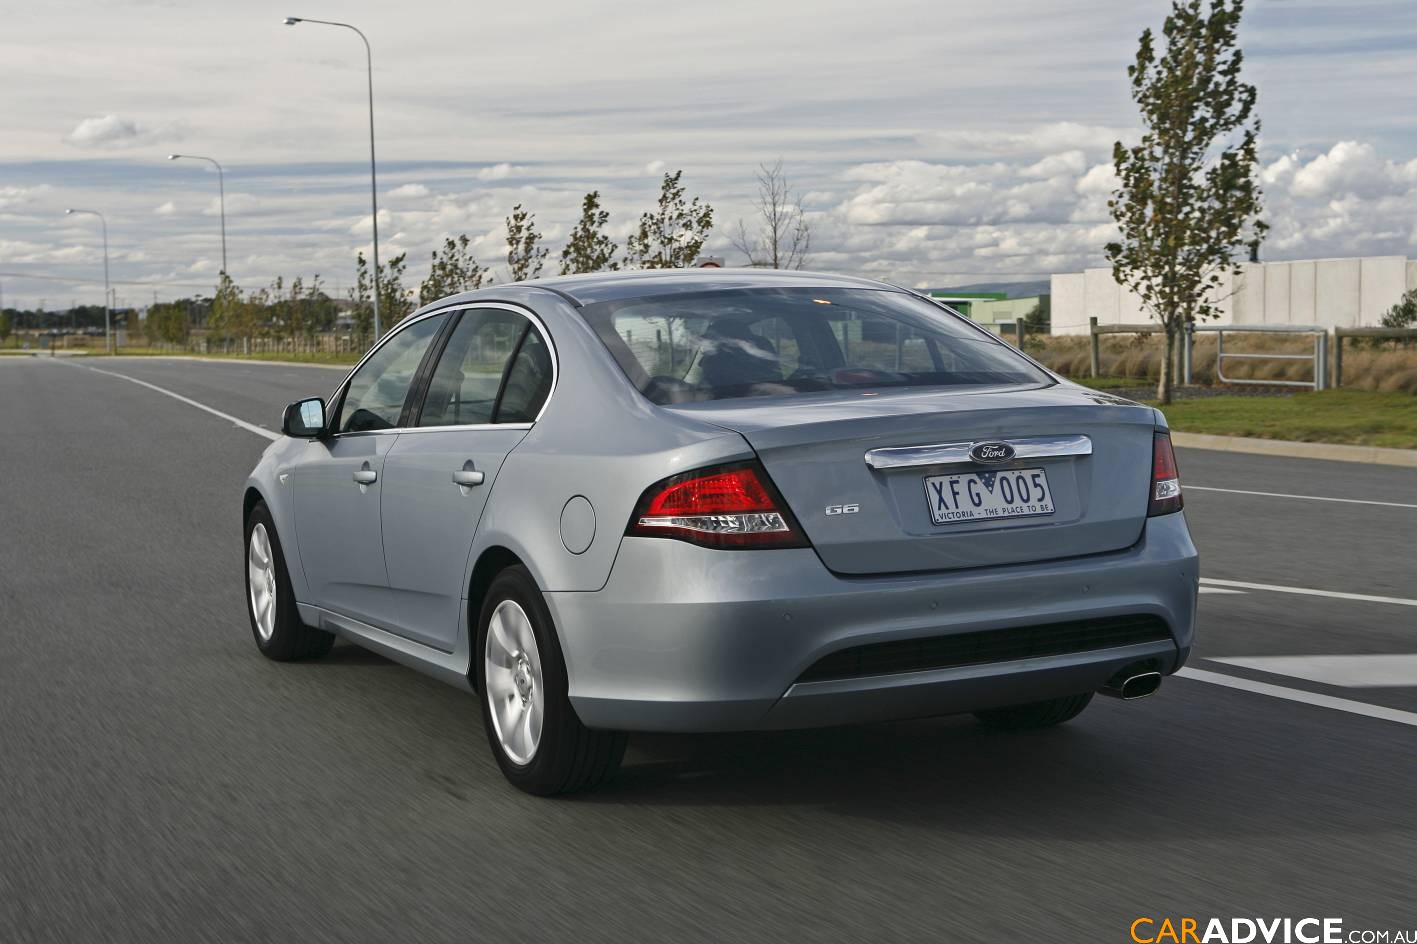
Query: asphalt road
[160, 781]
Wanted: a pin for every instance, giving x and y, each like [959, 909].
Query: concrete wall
[1347, 292]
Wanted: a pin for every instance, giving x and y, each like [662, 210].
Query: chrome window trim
[1035, 447]
[527, 313]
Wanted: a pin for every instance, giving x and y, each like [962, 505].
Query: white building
[1346, 292]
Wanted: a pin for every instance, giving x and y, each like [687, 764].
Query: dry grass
[1382, 366]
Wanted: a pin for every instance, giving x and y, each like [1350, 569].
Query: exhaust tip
[1132, 687]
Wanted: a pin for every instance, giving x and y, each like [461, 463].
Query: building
[1354, 292]
[991, 309]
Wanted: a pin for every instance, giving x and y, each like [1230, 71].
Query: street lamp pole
[107, 311]
[373, 181]
[221, 189]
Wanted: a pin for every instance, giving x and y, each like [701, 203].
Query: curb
[1372, 455]
[236, 360]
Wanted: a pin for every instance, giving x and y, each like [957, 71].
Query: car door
[488, 386]
[339, 482]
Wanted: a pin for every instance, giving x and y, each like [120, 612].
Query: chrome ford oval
[991, 452]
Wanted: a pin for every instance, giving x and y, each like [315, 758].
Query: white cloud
[1050, 138]
[165, 209]
[499, 172]
[409, 191]
[655, 168]
[11, 197]
[111, 132]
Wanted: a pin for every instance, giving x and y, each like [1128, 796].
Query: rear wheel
[538, 741]
[270, 602]
[1039, 714]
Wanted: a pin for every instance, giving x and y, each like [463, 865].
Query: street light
[107, 312]
[221, 189]
[373, 184]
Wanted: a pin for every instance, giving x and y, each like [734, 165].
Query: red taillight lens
[728, 506]
[1165, 478]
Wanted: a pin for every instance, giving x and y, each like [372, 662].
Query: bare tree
[781, 236]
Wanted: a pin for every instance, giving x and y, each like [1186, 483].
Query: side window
[480, 351]
[528, 382]
[378, 389]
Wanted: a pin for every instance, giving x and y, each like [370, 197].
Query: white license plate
[973, 496]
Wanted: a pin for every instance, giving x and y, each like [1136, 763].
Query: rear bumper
[687, 639]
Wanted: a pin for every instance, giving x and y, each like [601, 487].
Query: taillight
[1165, 478]
[732, 506]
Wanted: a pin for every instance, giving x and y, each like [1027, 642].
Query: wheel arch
[491, 562]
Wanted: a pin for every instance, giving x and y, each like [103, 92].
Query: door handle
[366, 476]
[468, 476]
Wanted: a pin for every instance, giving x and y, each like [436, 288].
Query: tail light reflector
[733, 506]
[1165, 478]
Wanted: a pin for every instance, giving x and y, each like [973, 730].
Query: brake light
[1165, 478]
[731, 506]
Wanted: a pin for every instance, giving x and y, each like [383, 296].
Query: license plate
[974, 496]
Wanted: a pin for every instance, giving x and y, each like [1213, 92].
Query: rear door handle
[468, 476]
[366, 476]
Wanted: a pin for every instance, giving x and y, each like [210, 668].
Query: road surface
[159, 781]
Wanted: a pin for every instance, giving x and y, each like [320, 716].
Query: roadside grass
[1356, 417]
[343, 359]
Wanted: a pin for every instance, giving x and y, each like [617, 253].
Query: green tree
[524, 254]
[167, 323]
[229, 318]
[362, 296]
[5, 325]
[588, 249]
[1404, 313]
[395, 301]
[1187, 202]
[1040, 315]
[671, 236]
[454, 270]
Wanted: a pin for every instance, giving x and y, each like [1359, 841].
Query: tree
[167, 323]
[230, 316]
[1187, 201]
[672, 235]
[588, 249]
[362, 296]
[1040, 315]
[395, 301]
[1401, 315]
[454, 271]
[524, 255]
[782, 236]
[4, 325]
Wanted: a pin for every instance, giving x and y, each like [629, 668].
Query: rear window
[719, 345]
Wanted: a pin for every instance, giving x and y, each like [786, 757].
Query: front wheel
[538, 741]
[1039, 714]
[270, 602]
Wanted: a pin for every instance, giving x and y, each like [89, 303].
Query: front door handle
[468, 476]
[366, 476]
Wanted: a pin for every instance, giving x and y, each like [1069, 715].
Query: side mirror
[304, 419]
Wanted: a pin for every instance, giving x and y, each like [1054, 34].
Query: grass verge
[1356, 417]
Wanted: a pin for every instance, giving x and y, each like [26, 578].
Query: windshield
[772, 342]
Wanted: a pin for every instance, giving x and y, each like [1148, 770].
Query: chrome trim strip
[1035, 447]
[525, 312]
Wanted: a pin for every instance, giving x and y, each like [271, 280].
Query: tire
[1040, 714]
[283, 637]
[529, 688]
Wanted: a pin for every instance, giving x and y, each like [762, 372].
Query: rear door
[487, 388]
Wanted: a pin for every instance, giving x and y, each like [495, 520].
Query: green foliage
[230, 316]
[362, 296]
[588, 249]
[672, 235]
[5, 325]
[1187, 203]
[1040, 315]
[1404, 313]
[167, 323]
[395, 301]
[453, 271]
[524, 254]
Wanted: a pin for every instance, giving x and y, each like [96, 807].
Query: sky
[932, 143]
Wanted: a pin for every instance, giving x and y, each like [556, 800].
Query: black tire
[1039, 714]
[568, 756]
[290, 639]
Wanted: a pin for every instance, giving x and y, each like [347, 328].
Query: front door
[485, 392]
[339, 483]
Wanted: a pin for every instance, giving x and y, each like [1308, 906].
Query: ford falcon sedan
[720, 500]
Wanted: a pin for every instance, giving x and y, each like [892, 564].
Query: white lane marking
[1303, 697]
[1382, 671]
[251, 427]
[1220, 590]
[1331, 594]
[1323, 498]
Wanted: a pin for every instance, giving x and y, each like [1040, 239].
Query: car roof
[614, 286]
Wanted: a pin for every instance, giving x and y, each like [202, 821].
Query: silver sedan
[718, 501]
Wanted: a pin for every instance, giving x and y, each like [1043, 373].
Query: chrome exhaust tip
[1130, 687]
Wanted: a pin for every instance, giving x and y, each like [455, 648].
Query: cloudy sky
[935, 143]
